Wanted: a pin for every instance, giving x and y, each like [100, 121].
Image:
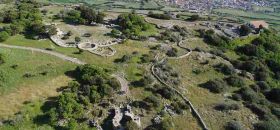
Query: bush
[276, 111]
[215, 86]
[274, 95]
[172, 52]
[268, 125]
[154, 100]
[235, 81]
[233, 125]
[166, 93]
[194, 17]
[261, 76]
[159, 16]
[249, 95]
[227, 107]
[263, 86]
[65, 37]
[4, 36]
[78, 39]
[69, 33]
[245, 30]
[236, 97]
[225, 69]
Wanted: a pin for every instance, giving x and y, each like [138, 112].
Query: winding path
[56, 54]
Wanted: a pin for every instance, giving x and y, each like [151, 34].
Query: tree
[4, 36]
[245, 30]
[100, 17]
[73, 16]
[78, 39]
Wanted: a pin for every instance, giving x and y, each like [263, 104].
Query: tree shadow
[44, 118]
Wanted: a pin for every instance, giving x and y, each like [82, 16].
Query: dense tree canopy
[84, 15]
[132, 24]
[26, 18]
[92, 85]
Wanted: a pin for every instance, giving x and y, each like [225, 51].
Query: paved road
[56, 54]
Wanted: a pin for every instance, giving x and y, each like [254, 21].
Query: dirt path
[123, 82]
[56, 54]
[14, 101]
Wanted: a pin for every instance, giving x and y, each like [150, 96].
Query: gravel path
[56, 54]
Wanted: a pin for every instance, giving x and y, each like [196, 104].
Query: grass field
[17, 88]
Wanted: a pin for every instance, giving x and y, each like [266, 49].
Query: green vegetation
[25, 18]
[93, 85]
[159, 16]
[133, 25]
[39, 67]
[82, 15]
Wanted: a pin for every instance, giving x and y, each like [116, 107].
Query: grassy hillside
[27, 76]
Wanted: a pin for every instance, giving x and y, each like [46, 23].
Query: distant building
[257, 24]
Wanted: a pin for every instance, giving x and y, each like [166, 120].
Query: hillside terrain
[139, 65]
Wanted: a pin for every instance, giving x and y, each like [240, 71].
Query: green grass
[26, 122]
[32, 63]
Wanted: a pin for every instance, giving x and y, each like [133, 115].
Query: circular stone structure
[87, 46]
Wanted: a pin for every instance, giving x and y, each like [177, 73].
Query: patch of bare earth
[11, 103]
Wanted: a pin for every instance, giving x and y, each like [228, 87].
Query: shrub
[276, 111]
[124, 59]
[268, 125]
[263, 86]
[259, 110]
[216, 86]
[172, 52]
[65, 37]
[248, 49]
[274, 95]
[227, 107]
[244, 30]
[249, 95]
[69, 33]
[261, 76]
[154, 100]
[225, 69]
[236, 97]
[4, 36]
[166, 93]
[233, 125]
[78, 39]
[159, 16]
[235, 81]
[194, 17]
